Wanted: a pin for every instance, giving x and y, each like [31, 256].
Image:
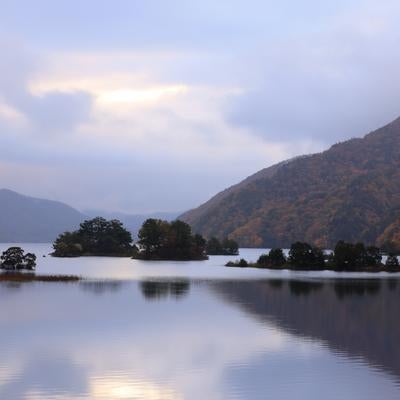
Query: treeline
[345, 257]
[163, 240]
[157, 240]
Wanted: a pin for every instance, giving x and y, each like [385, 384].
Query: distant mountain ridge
[350, 191]
[33, 220]
[29, 219]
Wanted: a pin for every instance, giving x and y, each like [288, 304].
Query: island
[157, 240]
[163, 240]
[95, 237]
[350, 257]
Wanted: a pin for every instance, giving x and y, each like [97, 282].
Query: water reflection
[62, 377]
[358, 318]
[158, 290]
[272, 339]
[302, 288]
[358, 288]
[101, 287]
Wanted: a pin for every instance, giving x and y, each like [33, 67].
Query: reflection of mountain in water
[360, 318]
[157, 290]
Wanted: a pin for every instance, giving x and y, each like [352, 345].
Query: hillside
[349, 192]
[28, 219]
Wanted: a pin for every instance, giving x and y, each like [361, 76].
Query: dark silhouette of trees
[15, 259]
[304, 256]
[392, 263]
[95, 237]
[151, 235]
[242, 263]
[101, 236]
[68, 245]
[214, 247]
[274, 259]
[345, 257]
[199, 244]
[228, 247]
[162, 240]
[12, 258]
[29, 261]
[349, 256]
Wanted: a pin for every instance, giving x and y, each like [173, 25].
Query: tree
[14, 258]
[349, 256]
[151, 235]
[214, 247]
[373, 256]
[199, 244]
[29, 261]
[263, 260]
[346, 256]
[276, 257]
[230, 247]
[68, 245]
[242, 263]
[304, 256]
[101, 236]
[95, 237]
[170, 241]
[392, 263]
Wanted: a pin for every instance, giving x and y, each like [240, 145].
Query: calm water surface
[197, 330]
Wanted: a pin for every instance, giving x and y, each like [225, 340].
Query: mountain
[31, 220]
[28, 219]
[350, 191]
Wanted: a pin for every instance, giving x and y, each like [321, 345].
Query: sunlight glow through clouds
[149, 95]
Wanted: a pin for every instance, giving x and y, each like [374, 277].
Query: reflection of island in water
[359, 318]
[158, 290]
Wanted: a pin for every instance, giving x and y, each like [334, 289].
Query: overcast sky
[142, 106]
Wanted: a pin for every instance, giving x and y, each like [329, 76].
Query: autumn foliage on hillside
[350, 192]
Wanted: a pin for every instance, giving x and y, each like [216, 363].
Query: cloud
[326, 86]
[48, 113]
[158, 105]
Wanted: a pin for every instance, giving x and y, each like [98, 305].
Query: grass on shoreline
[30, 277]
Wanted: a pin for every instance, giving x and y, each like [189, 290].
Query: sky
[143, 106]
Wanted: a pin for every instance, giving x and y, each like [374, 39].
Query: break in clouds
[144, 106]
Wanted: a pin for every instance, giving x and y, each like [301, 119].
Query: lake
[198, 330]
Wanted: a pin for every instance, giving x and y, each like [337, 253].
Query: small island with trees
[15, 259]
[95, 237]
[18, 266]
[157, 240]
[163, 240]
[302, 256]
